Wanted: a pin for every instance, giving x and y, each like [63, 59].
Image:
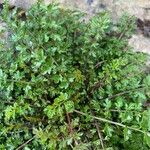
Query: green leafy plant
[68, 84]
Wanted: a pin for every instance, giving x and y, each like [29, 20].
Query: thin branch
[123, 93]
[115, 110]
[21, 81]
[146, 104]
[99, 135]
[70, 127]
[10, 103]
[69, 123]
[96, 86]
[99, 63]
[24, 144]
[125, 29]
[98, 131]
[109, 121]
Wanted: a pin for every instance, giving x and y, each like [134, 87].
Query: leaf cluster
[69, 84]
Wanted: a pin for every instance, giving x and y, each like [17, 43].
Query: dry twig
[24, 144]
[99, 134]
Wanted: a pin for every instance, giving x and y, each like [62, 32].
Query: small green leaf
[147, 139]
[46, 38]
[69, 105]
[64, 85]
[127, 134]
[50, 111]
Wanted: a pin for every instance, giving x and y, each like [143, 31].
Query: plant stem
[98, 131]
[125, 29]
[70, 126]
[21, 81]
[99, 63]
[69, 123]
[24, 144]
[123, 93]
[109, 121]
[99, 135]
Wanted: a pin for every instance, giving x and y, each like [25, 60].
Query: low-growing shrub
[70, 84]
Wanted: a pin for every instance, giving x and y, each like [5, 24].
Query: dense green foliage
[68, 84]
